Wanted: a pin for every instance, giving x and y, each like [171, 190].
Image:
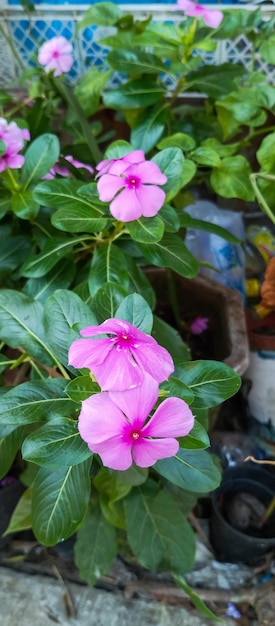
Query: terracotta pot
[207, 298]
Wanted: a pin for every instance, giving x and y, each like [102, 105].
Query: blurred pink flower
[56, 54]
[13, 138]
[64, 171]
[211, 18]
[198, 325]
[120, 360]
[115, 426]
[133, 191]
[117, 166]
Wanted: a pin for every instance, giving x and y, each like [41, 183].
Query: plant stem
[15, 185]
[261, 200]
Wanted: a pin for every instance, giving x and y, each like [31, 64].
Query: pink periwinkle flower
[133, 190]
[117, 166]
[121, 359]
[56, 54]
[198, 325]
[210, 17]
[64, 171]
[13, 138]
[115, 425]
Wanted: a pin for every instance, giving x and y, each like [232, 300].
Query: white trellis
[28, 30]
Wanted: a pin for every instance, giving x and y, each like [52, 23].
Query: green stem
[15, 185]
[72, 101]
[12, 47]
[261, 200]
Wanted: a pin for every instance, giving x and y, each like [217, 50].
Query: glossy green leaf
[265, 154]
[101, 14]
[175, 387]
[55, 248]
[215, 80]
[112, 492]
[89, 89]
[118, 149]
[21, 516]
[178, 140]
[171, 163]
[21, 325]
[171, 252]
[170, 218]
[61, 276]
[37, 401]
[197, 439]
[62, 310]
[107, 300]
[192, 470]
[231, 179]
[139, 282]
[8, 449]
[100, 536]
[134, 95]
[206, 156]
[149, 128]
[56, 445]
[108, 266]
[135, 62]
[158, 534]
[24, 205]
[134, 309]
[267, 49]
[195, 598]
[13, 251]
[211, 382]
[146, 229]
[81, 388]
[59, 502]
[40, 156]
[168, 337]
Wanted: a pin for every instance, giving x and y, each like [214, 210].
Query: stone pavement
[27, 600]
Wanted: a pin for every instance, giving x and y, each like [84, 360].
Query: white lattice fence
[28, 30]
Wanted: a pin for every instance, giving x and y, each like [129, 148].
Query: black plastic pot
[232, 544]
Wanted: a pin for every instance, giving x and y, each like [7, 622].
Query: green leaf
[171, 252]
[146, 229]
[111, 491]
[62, 310]
[101, 14]
[215, 80]
[265, 154]
[38, 401]
[170, 218]
[13, 251]
[89, 89]
[107, 300]
[171, 163]
[56, 445]
[197, 439]
[206, 156]
[190, 222]
[100, 536]
[5, 203]
[133, 476]
[192, 470]
[134, 309]
[40, 156]
[135, 62]
[158, 534]
[134, 95]
[59, 502]
[178, 140]
[223, 150]
[212, 382]
[168, 337]
[267, 49]
[149, 128]
[55, 248]
[197, 601]
[61, 276]
[8, 449]
[139, 282]
[21, 516]
[81, 388]
[175, 387]
[231, 179]
[108, 266]
[24, 205]
[20, 325]
[118, 149]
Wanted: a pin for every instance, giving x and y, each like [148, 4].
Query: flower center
[55, 54]
[133, 182]
[135, 435]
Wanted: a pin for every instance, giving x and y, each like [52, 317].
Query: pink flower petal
[115, 453]
[65, 62]
[148, 451]
[15, 161]
[120, 372]
[157, 361]
[173, 418]
[212, 18]
[138, 402]
[149, 172]
[108, 185]
[151, 199]
[126, 207]
[88, 352]
[100, 419]
[112, 326]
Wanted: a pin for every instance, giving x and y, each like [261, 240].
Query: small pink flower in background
[117, 166]
[120, 361]
[133, 191]
[56, 54]
[198, 325]
[115, 426]
[64, 171]
[211, 18]
[13, 138]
